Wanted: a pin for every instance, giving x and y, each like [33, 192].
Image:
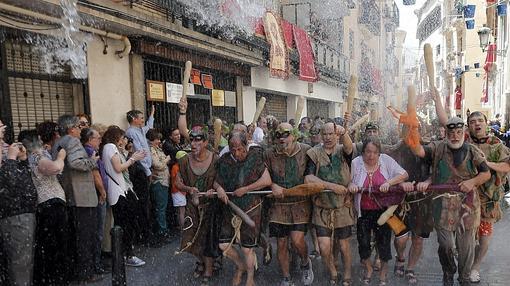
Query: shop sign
[155, 90]
[218, 97]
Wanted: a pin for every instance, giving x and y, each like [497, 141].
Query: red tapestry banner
[279, 56]
[259, 28]
[307, 70]
[287, 34]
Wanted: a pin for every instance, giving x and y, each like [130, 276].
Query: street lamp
[484, 34]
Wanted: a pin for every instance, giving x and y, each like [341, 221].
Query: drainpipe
[120, 53]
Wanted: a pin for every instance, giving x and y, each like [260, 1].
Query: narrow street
[164, 267]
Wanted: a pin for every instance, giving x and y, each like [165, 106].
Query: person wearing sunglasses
[200, 231]
[498, 160]
[456, 216]
[289, 216]
[241, 171]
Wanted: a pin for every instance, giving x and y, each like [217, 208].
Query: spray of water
[228, 17]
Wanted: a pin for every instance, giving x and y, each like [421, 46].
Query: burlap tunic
[491, 192]
[200, 233]
[232, 175]
[332, 210]
[451, 212]
[287, 171]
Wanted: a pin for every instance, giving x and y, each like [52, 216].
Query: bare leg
[368, 267]
[298, 241]
[481, 251]
[415, 251]
[315, 241]
[345, 248]
[233, 255]
[327, 256]
[249, 255]
[400, 244]
[384, 270]
[283, 256]
[181, 215]
[208, 262]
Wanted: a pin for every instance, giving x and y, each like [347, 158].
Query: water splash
[227, 17]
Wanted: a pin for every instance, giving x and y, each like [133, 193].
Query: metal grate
[200, 110]
[33, 95]
[276, 105]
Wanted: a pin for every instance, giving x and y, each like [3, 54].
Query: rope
[190, 243]
[236, 223]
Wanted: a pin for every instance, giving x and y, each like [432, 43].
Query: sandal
[205, 281]
[474, 276]
[383, 283]
[399, 268]
[366, 280]
[411, 277]
[347, 282]
[199, 269]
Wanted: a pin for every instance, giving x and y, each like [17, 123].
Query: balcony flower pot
[469, 11]
[477, 65]
[409, 2]
[501, 8]
[470, 24]
[466, 68]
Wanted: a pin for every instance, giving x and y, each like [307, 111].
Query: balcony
[330, 61]
[370, 16]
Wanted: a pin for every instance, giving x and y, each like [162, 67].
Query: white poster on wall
[174, 91]
[230, 98]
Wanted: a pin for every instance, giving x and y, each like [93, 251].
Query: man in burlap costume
[289, 216]
[456, 214]
[200, 233]
[415, 212]
[333, 214]
[491, 193]
[241, 171]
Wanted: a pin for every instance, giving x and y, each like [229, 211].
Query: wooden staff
[260, 107]
[411, 98]
[299, 108]
[351, 94]
[239, 212]
[360, 121]
[185, 80]
[429, 63]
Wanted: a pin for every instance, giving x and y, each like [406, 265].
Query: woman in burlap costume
[200, 234]
[333, 215]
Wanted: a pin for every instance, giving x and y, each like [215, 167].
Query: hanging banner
[230, 98]
[155, 90]
[195, 77]
[306, 59]
[207, 81]
[218, 97]
[279, 56]
[288, 33]
[458, 98]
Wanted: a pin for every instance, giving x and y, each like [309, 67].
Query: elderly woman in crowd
[91, 139]
[159, 184]
[51, 217]
[120, 189]
[373, 170]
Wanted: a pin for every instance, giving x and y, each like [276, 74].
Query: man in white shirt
[259, 133]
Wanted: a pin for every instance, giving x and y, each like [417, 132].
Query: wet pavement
[164, 267]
